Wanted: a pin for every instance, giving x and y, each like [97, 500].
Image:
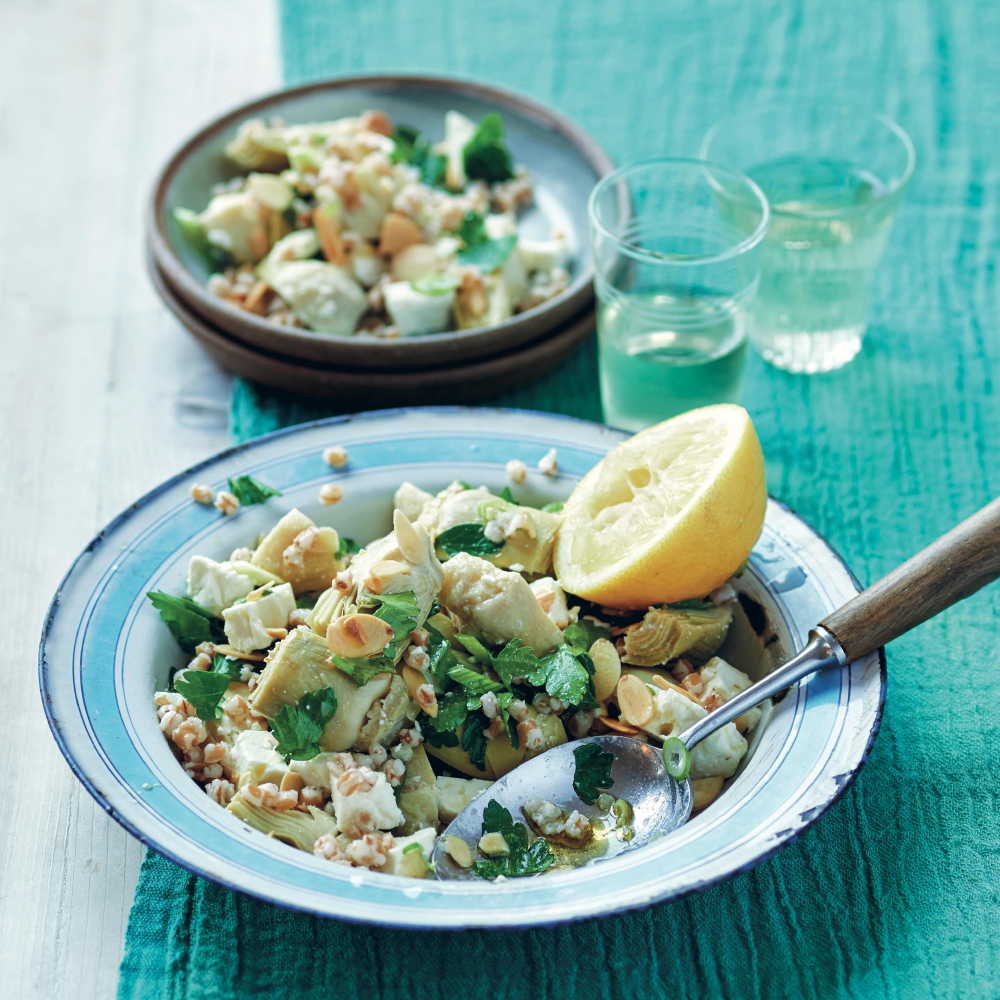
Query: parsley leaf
[505, 494]
[205, 689]
[480, 251]
[515, 660]
[299, 727]
[471, 681]
[452, 710]
[435, 738]
[476, 649]
[485, 155]
[414, 148]
[521, 859]
[593, 771]
[566, 674]
[189, 623]
[584, 633]
[250, 491]
[469, 538]
[346, 547]
[695, 604]
[554, 507]
[474, 739]
[440, 652]
[228, 666]
[362, 669]
[490, 255]
[399, 611]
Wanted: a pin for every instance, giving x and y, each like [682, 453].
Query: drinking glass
[834, 177]
[677, 259]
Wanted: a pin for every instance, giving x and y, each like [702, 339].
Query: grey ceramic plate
[564, 161]
[467, 382]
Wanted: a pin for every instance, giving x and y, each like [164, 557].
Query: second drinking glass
[676, 259]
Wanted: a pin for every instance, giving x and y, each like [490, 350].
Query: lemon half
[668, 515]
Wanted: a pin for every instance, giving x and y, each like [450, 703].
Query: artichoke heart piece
[499, 604]
[299, 552]
[299, 828]
[666, 634]
[301, 663]
[385, 568]
[530, 546]
[388, 718]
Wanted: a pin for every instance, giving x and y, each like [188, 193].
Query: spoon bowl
[659, 803]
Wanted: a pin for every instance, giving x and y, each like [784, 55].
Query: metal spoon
[948, 570]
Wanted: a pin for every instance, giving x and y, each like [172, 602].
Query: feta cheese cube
[543, 255]
[314, 771]
[215, 586]
[722, 680]
[414, 313]
[246, 624]
[255, 758]
[410, 863]
[378, 801]
[718, 754]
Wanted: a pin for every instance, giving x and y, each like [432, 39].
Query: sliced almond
[408, 540]
[329, 237]
[416, 261]
[382, 572]
[358, 635]
[459, 850]
[397, 233]
[493, 843]
[292, 782]
[669, 686]
[277, 633]
[238, 654]
[620, 727]
[634, 700]
[414, 679]
[607, 668]
[256, 300]
[704, 791]
[258, 243]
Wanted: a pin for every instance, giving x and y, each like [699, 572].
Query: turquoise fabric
[895, 893]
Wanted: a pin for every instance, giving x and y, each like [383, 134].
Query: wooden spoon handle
[953, 567]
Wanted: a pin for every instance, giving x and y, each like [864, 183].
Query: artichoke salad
[352, 703]
[359, 226]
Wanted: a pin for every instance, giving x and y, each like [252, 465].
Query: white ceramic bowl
[104, 651]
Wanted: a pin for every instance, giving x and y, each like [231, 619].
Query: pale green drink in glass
[677, 250]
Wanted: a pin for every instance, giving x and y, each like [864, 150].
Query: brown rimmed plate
[564, 161]
[467, 382]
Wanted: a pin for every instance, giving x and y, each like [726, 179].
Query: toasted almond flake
[277, 633]
[358, 635]
[292, 782]
[620, 727]
[408, 540]
[668, 686]
[238, 654]
[459, 850]
[329, 237]
[634, 700]
[256, 301]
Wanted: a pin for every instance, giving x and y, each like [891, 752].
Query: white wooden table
[102, 395]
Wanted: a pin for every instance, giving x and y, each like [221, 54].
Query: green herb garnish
[480, 251]
[474, 738]
[346, 546]
[593, 771]
[298, 728]
[469, 538]
[204, 689]
[189, 623]
[471, 681]
[362, 669]
[520, 859]
[228, 666]
[695, 604]
[505, 494]
[400, 611]
[414, 148]
[436, 284]
[423, 857]
[584, 633]
[676, 758]
[554, 507]
[485, 155]
[250, 491]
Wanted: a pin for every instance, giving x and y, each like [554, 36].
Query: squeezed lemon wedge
[668, 515]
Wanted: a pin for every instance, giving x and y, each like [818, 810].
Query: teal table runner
[896, 893]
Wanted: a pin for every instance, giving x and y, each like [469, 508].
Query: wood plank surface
[103, 395]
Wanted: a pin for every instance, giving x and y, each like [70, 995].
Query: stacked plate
[457, 366]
